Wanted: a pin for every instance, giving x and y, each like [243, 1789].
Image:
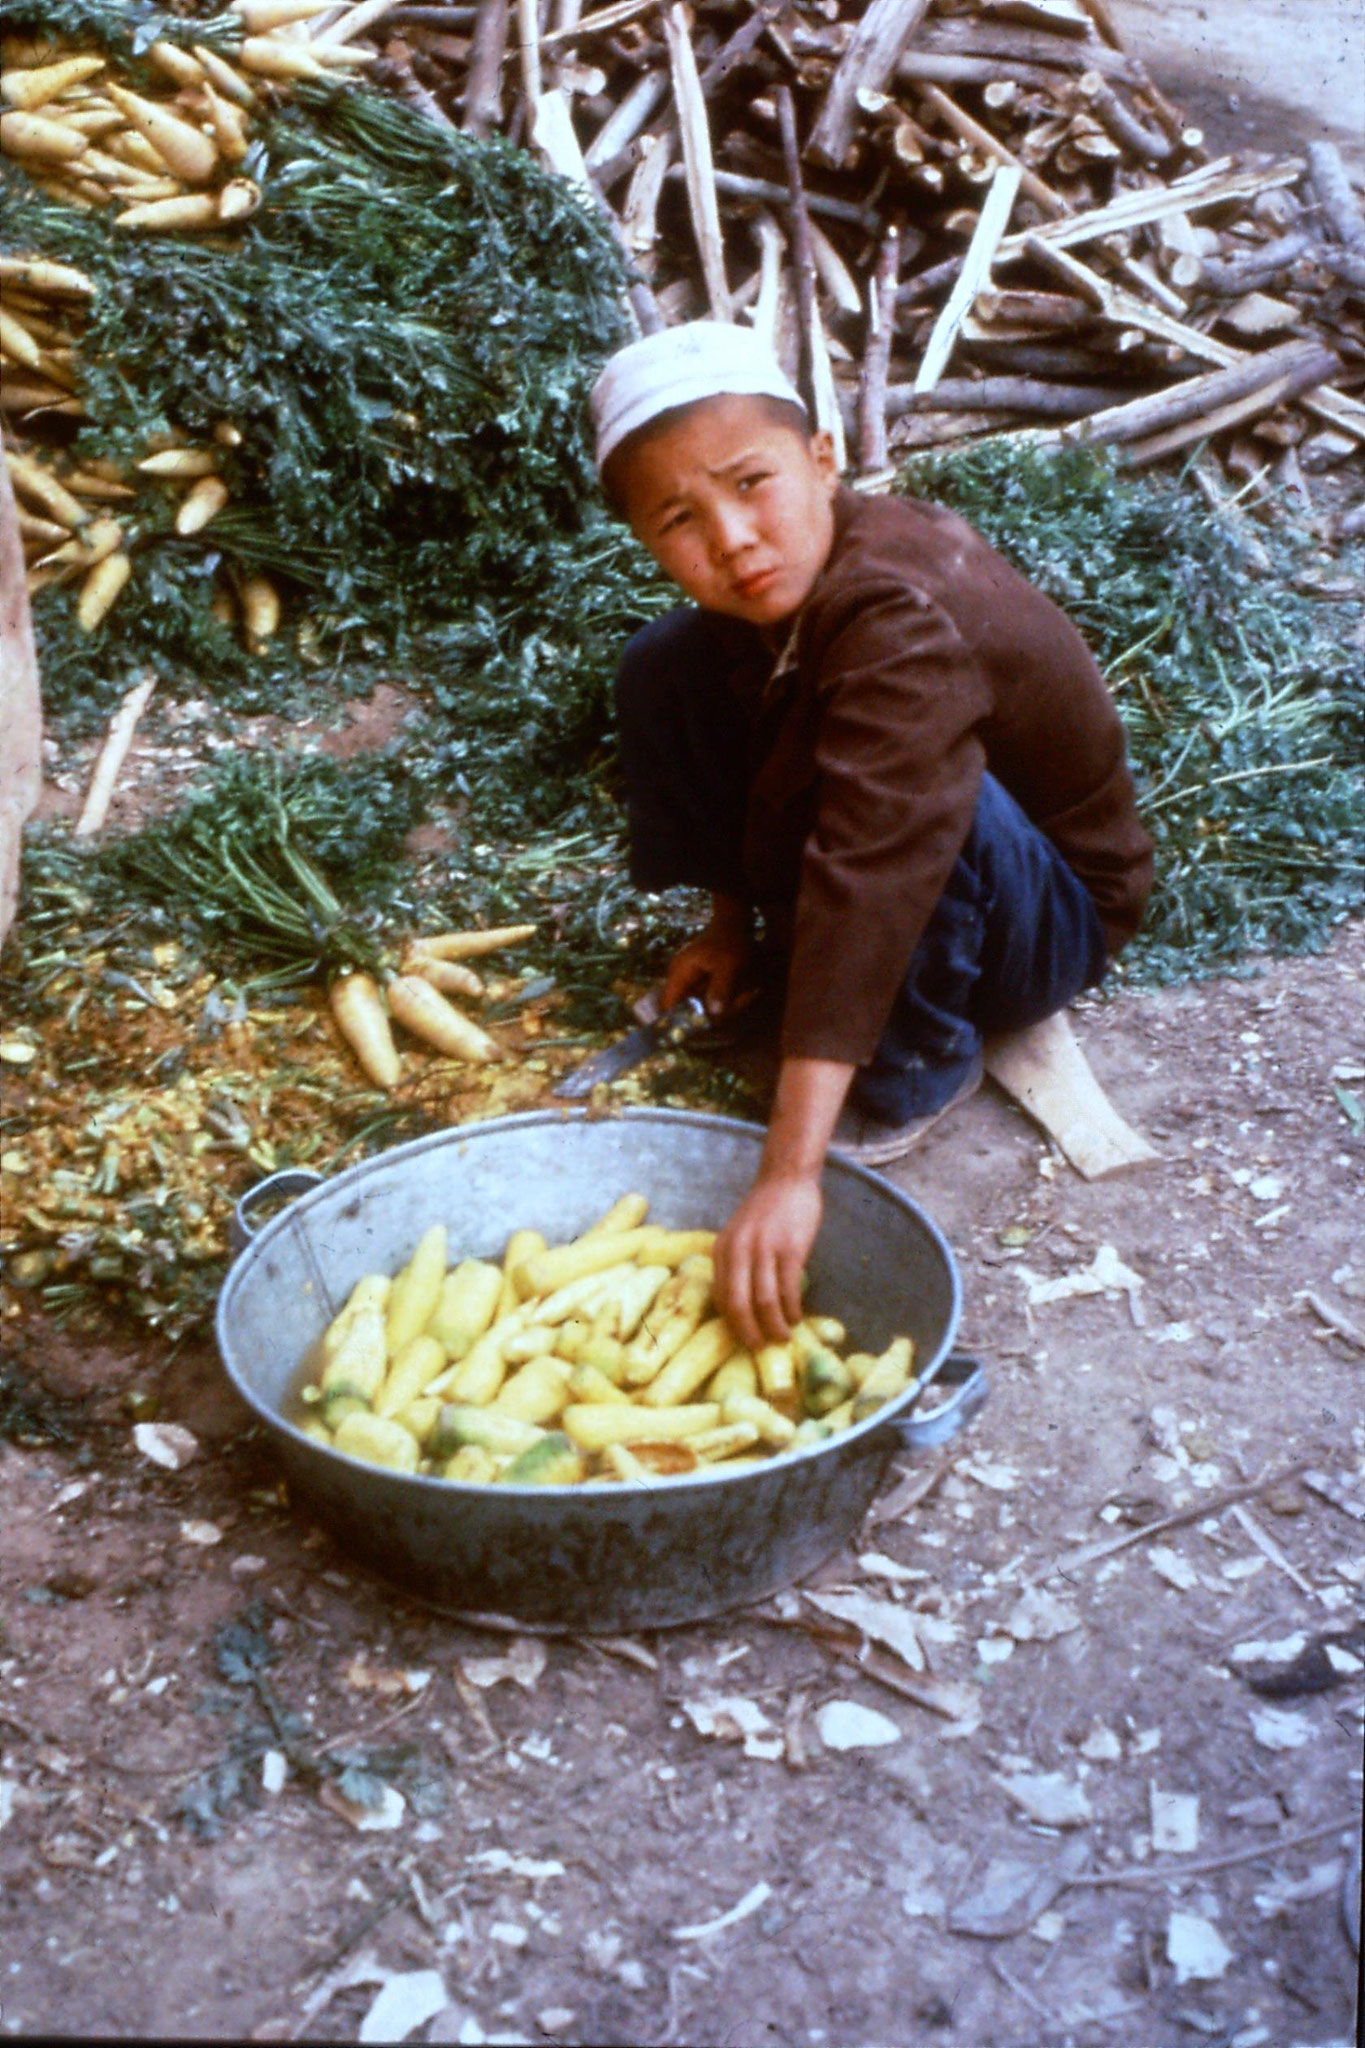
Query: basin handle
[290, 1180]
[968, 1377]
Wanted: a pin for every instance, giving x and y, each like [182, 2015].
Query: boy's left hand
[761, 1254]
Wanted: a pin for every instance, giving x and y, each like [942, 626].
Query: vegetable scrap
[599, 1361]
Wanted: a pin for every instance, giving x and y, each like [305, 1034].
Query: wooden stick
[1125, 309]
[697, 161]
[733, 184]
[771, 249]
[639, 216]
[528, 33]
[597, 24]
[1332, 190]
[1171, 1873]
[112, 756]
[1211, 1504]
[1200, 427]
[829, 417]
[981, 138]
[834, 273]
[1270, 1549]
[981, 43]
[1151, 145]
[1198, 397]
[1209, 186]
[803, 257]
[395, 69]
[625, 122]
[1228, 278]
[879, 35]
[975, 272]
[1098, 10]
[482, 110]
[1008, 394]
[353, 23]
[873, 453]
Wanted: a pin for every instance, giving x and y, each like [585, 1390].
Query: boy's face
[735, 506]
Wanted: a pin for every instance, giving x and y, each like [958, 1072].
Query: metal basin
[611, 1557]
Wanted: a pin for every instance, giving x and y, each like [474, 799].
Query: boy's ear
[823, 455]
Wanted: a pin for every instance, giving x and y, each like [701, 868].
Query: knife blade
[670, 1028]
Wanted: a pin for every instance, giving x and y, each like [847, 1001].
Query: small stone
[1048, 1798]
[204, 1533]
[1195, 1948]
[274, 1771]
[555, 2019]
[1101, 1745]
[165, 1443]
[843, 1724]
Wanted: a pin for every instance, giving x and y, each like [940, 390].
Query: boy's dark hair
[779, 412]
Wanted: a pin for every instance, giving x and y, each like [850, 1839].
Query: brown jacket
[920, 659]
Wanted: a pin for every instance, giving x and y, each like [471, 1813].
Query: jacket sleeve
[898, 766]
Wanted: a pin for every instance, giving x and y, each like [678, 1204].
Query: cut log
[482, 109]
[1045, 1071]
[1332, 190]
[697, 161]
[975, 272]
[803, 255]
[1295, 366]
[873, 455]
[1210, 185]
[881, 33]
[1005, 394]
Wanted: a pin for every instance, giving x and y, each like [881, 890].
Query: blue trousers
[1014, 936]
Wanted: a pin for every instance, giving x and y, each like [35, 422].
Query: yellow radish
[260, 609]
[45, 141]
[40, 487]
[91, 485]
[229, 128]
[17, 342]
[224, 76]
[38, 275]
[422, 1010]
[166, 216]
[468, 945]
[201, 504]
[94, 542]
[100, 588]
[268, 57]
[363, 1022]
[26, 394]
[447, 975]
[135, 149]
[415, 1294]
[92, 121]
[176, 63]
[260, 16]
[238, 199]
[40, 532]
[180, 463]
[34, 88]
[187, 151]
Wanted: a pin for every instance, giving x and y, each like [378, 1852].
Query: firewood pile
[954, 217]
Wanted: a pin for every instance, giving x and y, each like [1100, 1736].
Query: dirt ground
[176, 1644]
[565, 1819]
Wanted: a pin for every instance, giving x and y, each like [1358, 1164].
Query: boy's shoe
[870, 1142]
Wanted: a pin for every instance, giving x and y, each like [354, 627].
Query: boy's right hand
[712, 964]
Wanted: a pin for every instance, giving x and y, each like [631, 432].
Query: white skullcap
[703, 359]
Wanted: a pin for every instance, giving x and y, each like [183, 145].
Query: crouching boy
[869, 728]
